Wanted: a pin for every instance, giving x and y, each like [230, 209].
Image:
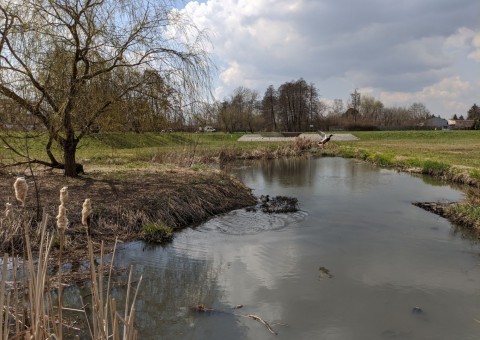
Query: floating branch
[204, 309]
[259, 319]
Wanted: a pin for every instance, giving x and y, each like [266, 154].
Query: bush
[157, 233]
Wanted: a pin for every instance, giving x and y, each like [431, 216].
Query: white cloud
[475, 55]
[448, 93]
[407, 51]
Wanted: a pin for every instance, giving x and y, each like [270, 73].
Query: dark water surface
[352, 264]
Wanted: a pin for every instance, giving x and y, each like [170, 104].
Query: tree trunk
[69, 152]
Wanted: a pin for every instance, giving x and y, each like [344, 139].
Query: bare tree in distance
[355, 103]
[67, 62]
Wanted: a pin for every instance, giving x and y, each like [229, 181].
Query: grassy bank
[111, 148]
[452, 155]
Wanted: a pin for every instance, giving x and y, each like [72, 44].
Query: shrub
[157, 233]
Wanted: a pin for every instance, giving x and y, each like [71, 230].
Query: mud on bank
[123, 203]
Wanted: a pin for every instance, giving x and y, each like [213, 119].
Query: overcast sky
[400, 52]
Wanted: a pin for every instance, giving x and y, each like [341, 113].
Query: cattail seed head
[86, 211]
[21, 188]
[62, 220]
[63, 195]
[8, 210]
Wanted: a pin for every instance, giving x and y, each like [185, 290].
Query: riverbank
[127, 205]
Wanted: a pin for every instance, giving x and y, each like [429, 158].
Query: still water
[359, 261]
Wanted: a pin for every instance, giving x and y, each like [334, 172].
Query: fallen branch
[205, 309]
[259, 319]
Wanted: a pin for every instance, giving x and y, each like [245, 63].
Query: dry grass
[122, 204]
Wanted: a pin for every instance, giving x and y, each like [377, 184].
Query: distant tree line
[294, 106]
[297, 106]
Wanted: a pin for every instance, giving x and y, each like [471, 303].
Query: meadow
[457, 149]
[445, 151]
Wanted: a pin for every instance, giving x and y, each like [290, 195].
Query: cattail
[21, 188]
[86, 212]
[62, 220]
[63, 195]
[8, 210]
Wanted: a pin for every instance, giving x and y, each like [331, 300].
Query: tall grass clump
[475, 174]
[435, 168]
[381, 159]
[467, 212]
[157, 233]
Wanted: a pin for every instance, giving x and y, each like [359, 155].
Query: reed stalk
[31, 307]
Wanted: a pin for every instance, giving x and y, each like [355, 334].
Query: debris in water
[325, 273]
[203, 308]
[417, 310]
[279, 204]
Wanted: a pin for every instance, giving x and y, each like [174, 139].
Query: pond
[358, 261]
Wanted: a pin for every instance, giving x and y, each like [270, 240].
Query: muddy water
[359, 261]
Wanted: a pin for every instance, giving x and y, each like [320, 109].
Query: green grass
[432, 151]
[157, 233]
[440, 150]
[130, 150]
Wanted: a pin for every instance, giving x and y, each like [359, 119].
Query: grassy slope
[459, 150]
[455, 151]
[122, 148]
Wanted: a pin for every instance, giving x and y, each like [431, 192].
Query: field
[459, 149]
[455, 152]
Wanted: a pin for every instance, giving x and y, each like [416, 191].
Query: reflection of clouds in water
[246, 264]
[173, 283]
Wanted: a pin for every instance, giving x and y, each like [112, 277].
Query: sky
[399, 52]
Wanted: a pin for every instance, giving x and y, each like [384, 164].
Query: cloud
[395, 47]
[447, 92]
[475, 54]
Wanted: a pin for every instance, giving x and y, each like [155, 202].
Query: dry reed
[21, 189]
[30, 312]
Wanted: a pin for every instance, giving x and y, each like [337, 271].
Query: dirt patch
[123, 202]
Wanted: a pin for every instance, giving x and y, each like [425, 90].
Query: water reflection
[386, 257]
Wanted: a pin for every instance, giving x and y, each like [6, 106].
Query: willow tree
[67, 62]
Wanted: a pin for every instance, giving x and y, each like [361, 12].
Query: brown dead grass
[122, 203]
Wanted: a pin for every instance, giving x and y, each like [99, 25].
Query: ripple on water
[242, 222]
